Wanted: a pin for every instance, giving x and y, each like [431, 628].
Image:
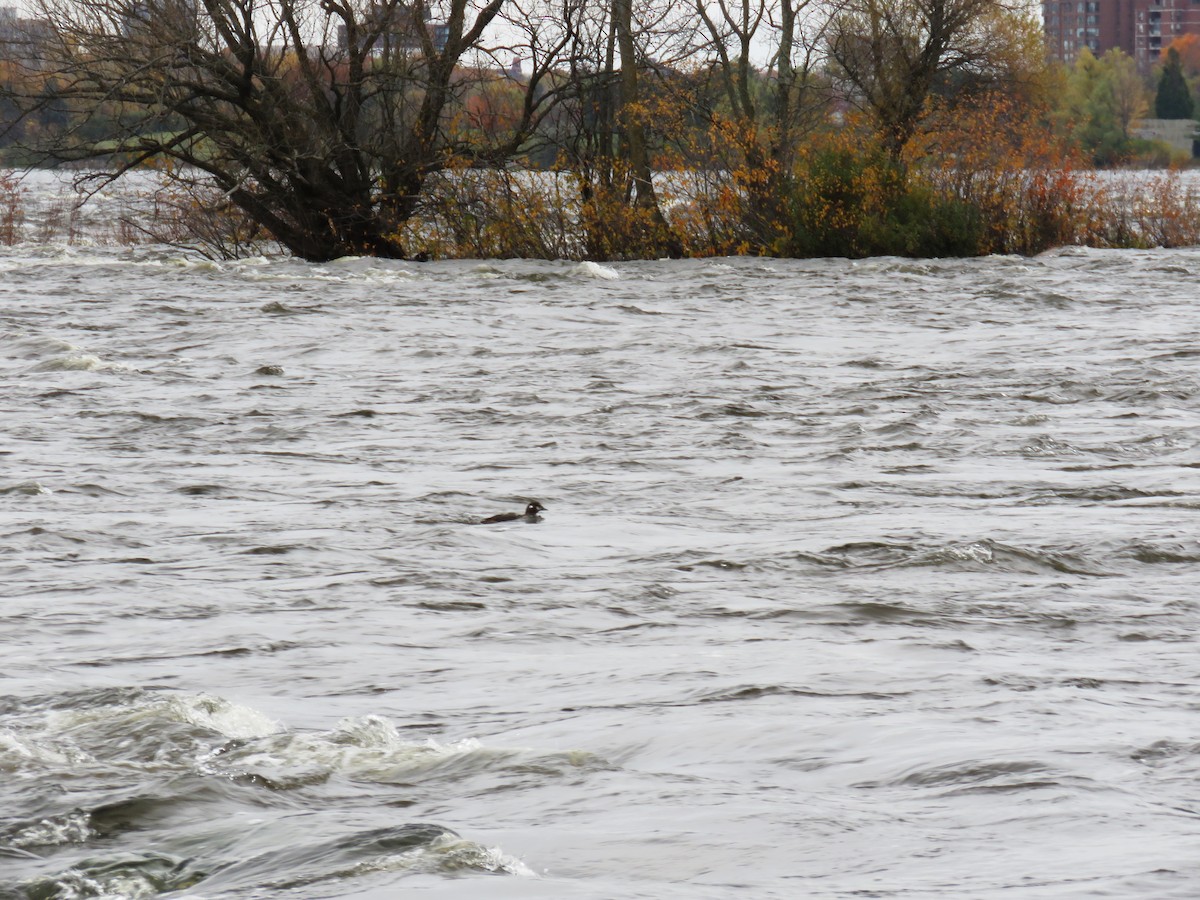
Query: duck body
[530, 515]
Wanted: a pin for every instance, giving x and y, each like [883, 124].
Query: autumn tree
[895, 54]
[633, 129]
[1187, 47]
[320, 120]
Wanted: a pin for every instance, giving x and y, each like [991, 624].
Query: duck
[530, 515]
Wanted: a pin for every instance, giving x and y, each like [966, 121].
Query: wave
[25, 489]
[80, 362]
[207, 783]
[371, 749]
[115, 876]
[974, 776]
[36, 345]
[988, 555]
[414, 848]
[594, 270]
[157, 731]
[1104, 493]
[1170, 553]
[982, 555]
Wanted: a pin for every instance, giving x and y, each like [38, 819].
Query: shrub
[12, 208]
[855, 202]
[495, 214]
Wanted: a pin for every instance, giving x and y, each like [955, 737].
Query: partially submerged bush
[12, 208]
[496, 214]
[192, 214]
[850, 201]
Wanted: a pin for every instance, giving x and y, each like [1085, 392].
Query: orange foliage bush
[1153, 210]
[990, 179]
[728, 195]
[1029, 188]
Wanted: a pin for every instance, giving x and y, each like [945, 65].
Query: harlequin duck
[530, 515]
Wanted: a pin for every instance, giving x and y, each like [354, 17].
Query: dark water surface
[856, 579]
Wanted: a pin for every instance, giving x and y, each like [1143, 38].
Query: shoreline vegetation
[918, 128]
[506, 214]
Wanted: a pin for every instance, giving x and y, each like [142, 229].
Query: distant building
[21, 39]
[1141, 28]
[399, 29]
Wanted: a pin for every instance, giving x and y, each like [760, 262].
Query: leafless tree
[764, 61]
[615, 49]
[786, 35]
[320, 119]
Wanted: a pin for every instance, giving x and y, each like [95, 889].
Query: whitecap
[448, 853]
[80, 362]
[220, 715]
[17, 752]
[453, 854]
[589, 269]
[72, 828]
[26, 488]
[213, 714]
[14, 748]
[371, 748]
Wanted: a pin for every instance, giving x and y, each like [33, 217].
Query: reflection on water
[855, 578]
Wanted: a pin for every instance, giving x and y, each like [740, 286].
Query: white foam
[72, 828]
[17, 752]
[110, 886]
[80, 362]
[13, 746]
[455, 853]
[449, 853]
[217, 714]
[368, 748]
[589, 269]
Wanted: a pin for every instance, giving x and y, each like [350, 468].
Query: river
[855, 579]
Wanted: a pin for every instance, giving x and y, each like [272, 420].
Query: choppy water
[871, 579]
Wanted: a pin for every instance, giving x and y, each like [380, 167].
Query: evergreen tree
[1173, 100]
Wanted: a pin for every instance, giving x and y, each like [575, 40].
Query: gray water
[856, 579]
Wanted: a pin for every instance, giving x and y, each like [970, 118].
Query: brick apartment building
[1142, 28]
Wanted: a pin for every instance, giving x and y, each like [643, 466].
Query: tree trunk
[660, 238]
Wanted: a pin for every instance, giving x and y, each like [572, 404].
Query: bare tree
[604, 132]
[321, 119]
[772, 106]
[787, 36]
